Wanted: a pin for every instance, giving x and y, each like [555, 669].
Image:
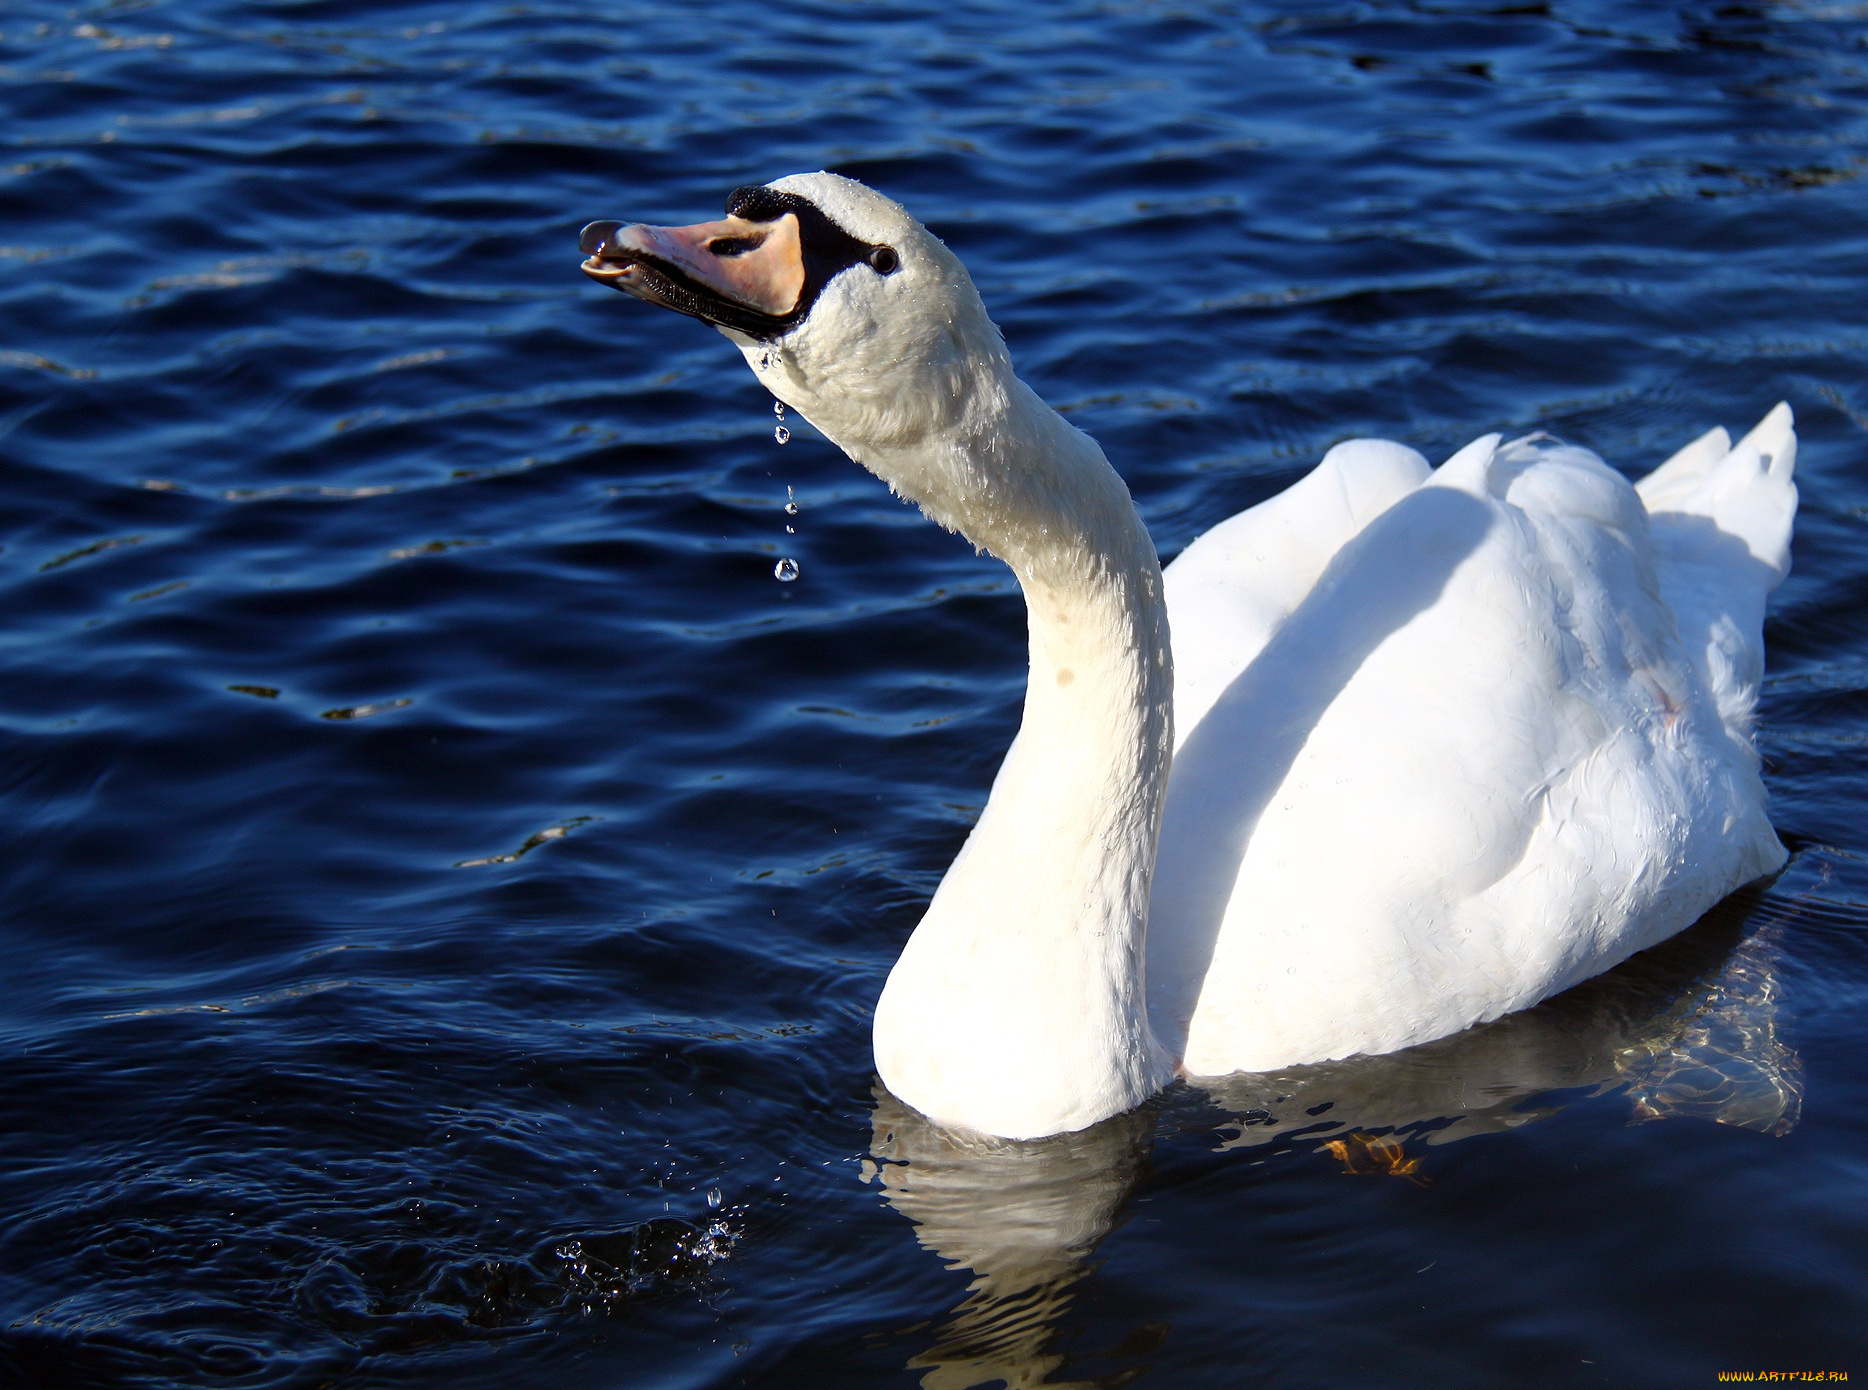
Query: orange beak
[735, 273]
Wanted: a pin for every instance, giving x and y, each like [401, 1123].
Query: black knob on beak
[595, 236]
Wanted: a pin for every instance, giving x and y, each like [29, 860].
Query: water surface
[447, 878]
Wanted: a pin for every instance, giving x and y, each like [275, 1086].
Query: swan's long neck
[1018, 1007]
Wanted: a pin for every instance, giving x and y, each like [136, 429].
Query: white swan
[1448, 741]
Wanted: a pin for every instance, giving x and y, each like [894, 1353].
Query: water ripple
[450, 876]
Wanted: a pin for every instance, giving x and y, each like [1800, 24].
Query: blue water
[446, 877]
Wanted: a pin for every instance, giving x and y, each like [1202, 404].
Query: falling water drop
[785, 570]
[791, 501]
[780, 433]
[713, 1197]
[778, 409]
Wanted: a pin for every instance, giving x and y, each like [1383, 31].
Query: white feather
[1448, 742]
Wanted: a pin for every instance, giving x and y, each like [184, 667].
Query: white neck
[1018, 1008]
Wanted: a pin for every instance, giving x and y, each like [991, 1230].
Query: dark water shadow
[1395, 569]
[1687, 1030]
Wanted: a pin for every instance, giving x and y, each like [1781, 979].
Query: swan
[1417, 747]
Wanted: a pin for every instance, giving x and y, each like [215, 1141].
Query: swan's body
[1442, 743]
[1489, 758]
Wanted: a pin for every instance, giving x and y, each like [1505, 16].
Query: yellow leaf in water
[1370, 1154]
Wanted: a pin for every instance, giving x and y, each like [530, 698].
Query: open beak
[735, 273]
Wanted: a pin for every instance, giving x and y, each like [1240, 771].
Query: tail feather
[1744, 489]
[1680, 476]
[1721, 516]
[1775, 439]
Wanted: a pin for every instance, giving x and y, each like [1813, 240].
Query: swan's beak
[735, 273]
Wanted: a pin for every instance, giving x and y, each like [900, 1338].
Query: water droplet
[765, 359]
[785, 570]
[791, 530]
[713, 1196]
[778, 409]
[781, 434]
[791, 502]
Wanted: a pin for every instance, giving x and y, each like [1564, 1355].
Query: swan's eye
[733, 245]
[884, 260]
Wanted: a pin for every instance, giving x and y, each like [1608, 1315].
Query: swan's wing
[1229, 590]
[1473, 766]
[1721, 520]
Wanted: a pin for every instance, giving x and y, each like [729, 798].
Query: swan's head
[844, 305]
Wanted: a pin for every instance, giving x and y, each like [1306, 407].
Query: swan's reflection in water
[1022, 1216]
[1687, 1030]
